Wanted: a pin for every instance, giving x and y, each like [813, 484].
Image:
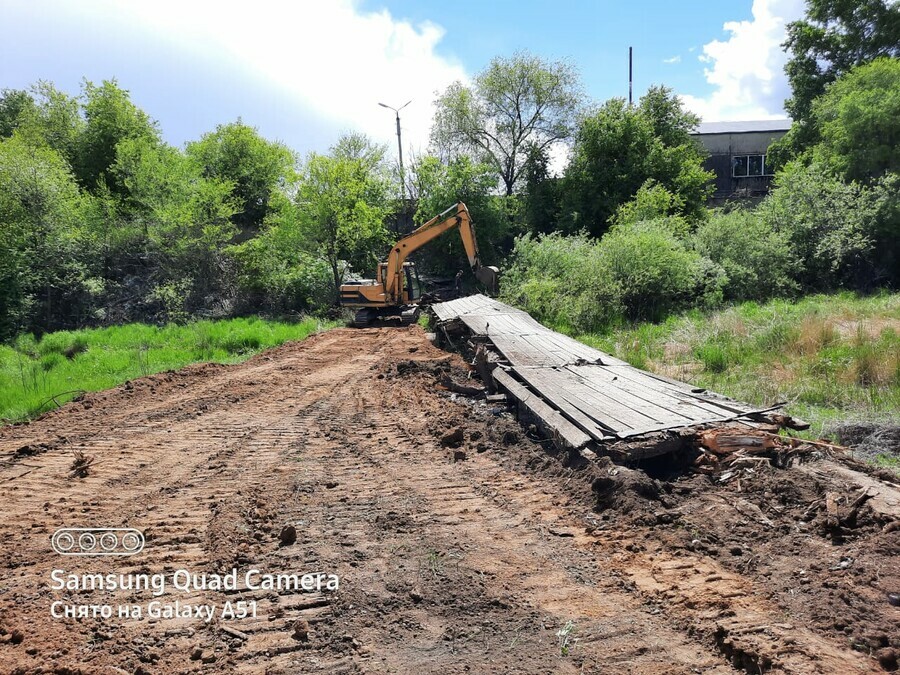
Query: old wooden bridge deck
[581, 394]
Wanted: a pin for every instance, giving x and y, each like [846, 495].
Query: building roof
[706, 128]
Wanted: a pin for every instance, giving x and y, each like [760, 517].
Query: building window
[748, 165]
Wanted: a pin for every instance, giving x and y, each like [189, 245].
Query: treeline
[103, 222]
[623, 234]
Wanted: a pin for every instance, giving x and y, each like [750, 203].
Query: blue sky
[304, 72]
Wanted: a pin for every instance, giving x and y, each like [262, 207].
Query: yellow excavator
[396, 290]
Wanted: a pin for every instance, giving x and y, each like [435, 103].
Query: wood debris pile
[731, 452]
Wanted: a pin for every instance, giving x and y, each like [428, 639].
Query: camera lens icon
[109, 541]
[64, 542]
[97, 541]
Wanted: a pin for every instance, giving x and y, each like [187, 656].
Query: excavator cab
[413, 290]
[412, 286]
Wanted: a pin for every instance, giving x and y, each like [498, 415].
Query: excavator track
[368, 317]
[365, 317]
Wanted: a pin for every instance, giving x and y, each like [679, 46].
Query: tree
[15, 106]
[834, 36]
[45, 115]
[259, 170]
[185, 216]
[541, 193]
[110, 118]
[617, 149]
[858, 118]
[42, 270]
[514, 104]
[672, 124]
[342, 202]
[439, 185]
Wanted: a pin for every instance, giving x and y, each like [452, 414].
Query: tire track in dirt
[479, 565]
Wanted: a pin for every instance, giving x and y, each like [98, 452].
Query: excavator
[396, 291]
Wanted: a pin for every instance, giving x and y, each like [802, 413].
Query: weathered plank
[599, 423]
[553, 422]
[642, 392]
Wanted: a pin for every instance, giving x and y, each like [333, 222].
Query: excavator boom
[456, 216]
[393, 289]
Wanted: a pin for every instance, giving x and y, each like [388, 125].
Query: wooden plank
[582, 386]
[602, 393]
[599, 423]
[613, 380]
[725, 403]
[571, 435]
[606, 409]
[600, 406]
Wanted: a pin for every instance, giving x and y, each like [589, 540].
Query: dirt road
[496, 561]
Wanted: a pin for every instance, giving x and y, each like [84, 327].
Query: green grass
[831, 357]
[39, 375]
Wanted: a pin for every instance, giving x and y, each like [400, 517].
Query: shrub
[278, 276]
[655, 271]
[559, 280]
[831, 225]
[756, 259]
[637, 271]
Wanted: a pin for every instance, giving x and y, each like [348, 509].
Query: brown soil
[485, 554]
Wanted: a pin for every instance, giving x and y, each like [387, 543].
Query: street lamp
[399, 144]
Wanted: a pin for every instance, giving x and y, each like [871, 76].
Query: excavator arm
[455, 216]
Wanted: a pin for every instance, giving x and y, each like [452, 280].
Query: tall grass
[831, 357]
[37, 375]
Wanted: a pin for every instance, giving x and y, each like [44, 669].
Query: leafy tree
[185, 216]
[342, 202]
[110, 118]
[859, 120]
[259, 170]
[16, 105]
[672, 124]
[833, 37]
[45, 265]
[515, 103]
[617, 150]
[542, 192]
[45, 115]
[440, 185]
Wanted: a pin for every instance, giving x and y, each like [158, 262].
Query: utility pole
[629, 77]
[399, 145]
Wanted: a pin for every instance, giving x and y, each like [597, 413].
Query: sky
[305, 71]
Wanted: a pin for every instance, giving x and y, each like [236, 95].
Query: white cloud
[330, 57]
[747, 69]
[673, 59]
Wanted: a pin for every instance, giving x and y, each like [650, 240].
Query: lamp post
[399, 144]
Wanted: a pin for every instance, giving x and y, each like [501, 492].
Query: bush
[757, 260]
[559, 280]
[832, 226]
[278, 276]
[656, 272]
[637, 271]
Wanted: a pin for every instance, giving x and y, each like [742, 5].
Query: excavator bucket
[489, 276]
